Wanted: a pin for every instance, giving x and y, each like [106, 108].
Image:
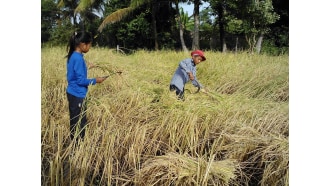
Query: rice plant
[139, 134]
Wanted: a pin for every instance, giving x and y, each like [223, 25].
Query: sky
[190, 8]
[20, 94]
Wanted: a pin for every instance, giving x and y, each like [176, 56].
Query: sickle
[197, 90]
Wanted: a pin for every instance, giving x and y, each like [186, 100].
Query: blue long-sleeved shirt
[181, 77]
[77, 76]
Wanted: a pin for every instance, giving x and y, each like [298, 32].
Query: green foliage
[134, 33]
[48, 18]
[186, 20]
[242, 19]
[60, 35]
[166, 40]
[261, 15]
[89, 6]
[269, 47]
[234, 25]
[121, 13]
[253, 18]
[205, 29]
[280, 29]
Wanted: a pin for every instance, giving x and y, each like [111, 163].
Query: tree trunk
[154, 24]
[195, 44]
[259, 42]
[236, 45]
[222, 28]
[183, 44]
[224, 46]
[251, 42]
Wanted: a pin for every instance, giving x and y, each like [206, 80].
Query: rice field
[140, 134]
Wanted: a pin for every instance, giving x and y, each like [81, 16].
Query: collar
[79, 53]
[192, 62]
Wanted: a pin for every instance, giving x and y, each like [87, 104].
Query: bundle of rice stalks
[264, 160]
[275, 160]
[176, 169]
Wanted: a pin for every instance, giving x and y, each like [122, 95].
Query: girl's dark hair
[77, 38]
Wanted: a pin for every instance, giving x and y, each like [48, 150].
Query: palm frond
[83, 5]
[60, 4]
[121, 13]
[115, 17]
[138, 3]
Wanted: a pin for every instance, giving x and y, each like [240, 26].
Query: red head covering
[199, 53]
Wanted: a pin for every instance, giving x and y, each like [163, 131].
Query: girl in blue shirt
[79, 43]
[186, 71]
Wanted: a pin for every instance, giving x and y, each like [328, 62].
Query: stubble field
[139, 134]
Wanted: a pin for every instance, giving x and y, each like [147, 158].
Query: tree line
[256, 26]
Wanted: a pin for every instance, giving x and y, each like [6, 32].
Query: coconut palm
[68, 8]
[121, 13]
[85, 10]
[88, 10]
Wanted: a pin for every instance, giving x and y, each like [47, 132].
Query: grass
[139, 134]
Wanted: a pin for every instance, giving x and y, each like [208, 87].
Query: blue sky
[190, 8]
[186, 8]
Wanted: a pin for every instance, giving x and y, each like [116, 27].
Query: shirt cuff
[93, 81]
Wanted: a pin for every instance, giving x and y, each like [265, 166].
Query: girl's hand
[90, 65]
[100, 79]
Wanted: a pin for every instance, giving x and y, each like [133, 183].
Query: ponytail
[77, 38]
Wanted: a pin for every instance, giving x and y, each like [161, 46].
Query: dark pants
[77, 109]
[178, 92]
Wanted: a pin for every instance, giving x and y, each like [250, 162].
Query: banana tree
[180, 15]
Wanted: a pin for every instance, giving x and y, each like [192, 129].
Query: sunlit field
[140, 134]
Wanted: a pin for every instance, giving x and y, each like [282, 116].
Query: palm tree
[121, 13]
[68, 8]
[85, 10]
[88, 11]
